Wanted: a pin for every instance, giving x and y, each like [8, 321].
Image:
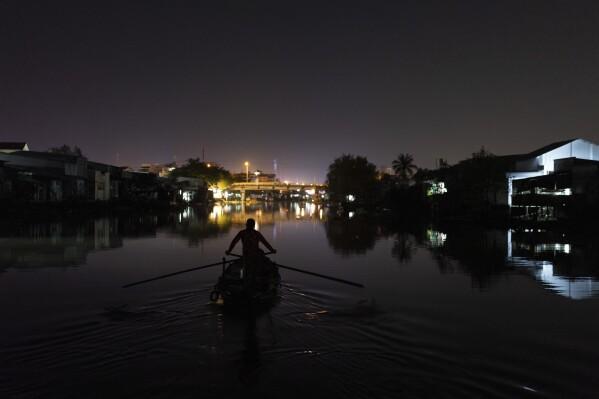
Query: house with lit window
[555, 181]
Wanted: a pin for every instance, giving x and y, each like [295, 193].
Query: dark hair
[250, 223]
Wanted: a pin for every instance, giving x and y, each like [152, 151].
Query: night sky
[301, 82]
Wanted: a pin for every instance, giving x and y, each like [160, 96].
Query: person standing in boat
[250, 239]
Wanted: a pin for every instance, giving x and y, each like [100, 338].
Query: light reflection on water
[450, 312]
[561, 266]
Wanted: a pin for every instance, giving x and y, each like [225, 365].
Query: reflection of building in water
[435, 238]
[57, 244]
[566, 268]
[265, 213]
[196, 224]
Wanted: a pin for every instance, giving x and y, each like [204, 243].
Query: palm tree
[404, 167]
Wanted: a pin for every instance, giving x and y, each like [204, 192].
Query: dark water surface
[446, 312]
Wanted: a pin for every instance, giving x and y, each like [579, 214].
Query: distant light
[286, 182]
[351, 214]
[208, 165]
[257, 173]
[351, 198]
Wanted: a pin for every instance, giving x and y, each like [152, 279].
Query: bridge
[276, 187]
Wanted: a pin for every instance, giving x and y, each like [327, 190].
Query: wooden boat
[252, 284]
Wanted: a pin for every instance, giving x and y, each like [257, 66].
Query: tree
[404, 167]
[352, 236]
[212, 174]
[67, 150]
[482, 153]
[474, 184]
[352, 179]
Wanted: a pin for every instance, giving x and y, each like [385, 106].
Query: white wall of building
[579, 148]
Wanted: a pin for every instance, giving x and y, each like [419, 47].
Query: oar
[175, 273]
[295, 269]
[339, 280]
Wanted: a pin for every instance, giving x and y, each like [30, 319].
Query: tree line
[474, 184]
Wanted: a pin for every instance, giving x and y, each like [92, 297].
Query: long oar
[295, 269]
[175, 273]
[339, 280]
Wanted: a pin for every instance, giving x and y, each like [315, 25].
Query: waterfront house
[44, 176]
[103, 181]
[9, 147]
[191, 189]
[7, 177]
[555, 181]
[546, 184]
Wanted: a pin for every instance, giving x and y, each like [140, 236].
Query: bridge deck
[274, 186]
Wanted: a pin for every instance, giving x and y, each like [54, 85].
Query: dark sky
[297, 81]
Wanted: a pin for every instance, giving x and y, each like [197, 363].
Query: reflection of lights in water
[186, 213]
[320, 212]
[574, 288]
[436, 238]
[350, 214]
[311, 208]
[302, 212]
[217, 211]
[552, 247]
[544, 270]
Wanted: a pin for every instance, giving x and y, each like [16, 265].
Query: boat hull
[242, 285]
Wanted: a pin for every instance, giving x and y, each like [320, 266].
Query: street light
[247, 171]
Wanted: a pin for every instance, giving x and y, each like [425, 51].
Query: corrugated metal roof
[549, 147]
[8, 145]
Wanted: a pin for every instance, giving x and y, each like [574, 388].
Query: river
[446, 311]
